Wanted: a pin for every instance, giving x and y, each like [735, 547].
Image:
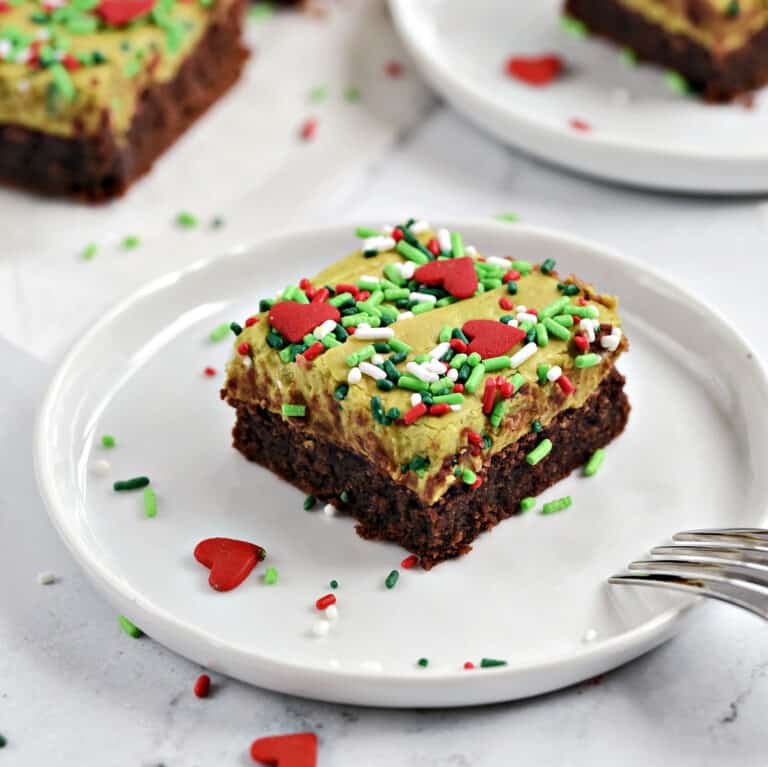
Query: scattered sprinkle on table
[580, 125]
[318, 94]
[677, 83]
[108, 441]
[352, 94]
[46, 578]
[210, 372]
[261, 11]
[541, 451]
[321, 628]
[131, 629]
[325, 601]
[135, 483]
[492, 663]
[3, 741]
[508, 218]
[594, 463]
[391, 580]
[130, 242]
[527, 504]
[334, 584]
[89, 251]
[332, 612]
[150, 503]
[589, 636]
[423, 662]
[308, 129]
[310, 502]
[329, 509]
[270, 576]
[468, 665]
[552, 507]
[409, 562]
[186, 220]
[393, 69]
[202, 686]
[573, 27]
[219, 333]
[217, 222]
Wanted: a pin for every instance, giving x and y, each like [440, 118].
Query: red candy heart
[299, 750]
[229, 560]
[491, 338]
[294, 320]
[119, 12]
[456, 275]
[534, 70]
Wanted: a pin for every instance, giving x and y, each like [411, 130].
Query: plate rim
[656, 630]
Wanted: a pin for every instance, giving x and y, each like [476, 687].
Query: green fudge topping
[66, 70]
[427, 451]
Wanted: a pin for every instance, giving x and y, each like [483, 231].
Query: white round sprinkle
[587, 327]
[387, 229]
[408, 269]
[329, 509]
[523, 316]
[377, 359]
[521, 308]
[46, 579]
[372, 666]
[589, 636]
[332, 612]
[101, 467]
[321, 628]
[470, 250]
[354, 376]
[453, 374]
[415, 399]
[554, 373]
[246, 361]
[321, 331]
[455, 408]
[609, 343]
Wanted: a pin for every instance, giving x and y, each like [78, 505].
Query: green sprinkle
[457, 245]
[459, 360]
[352, 94]
[564, 319]
[541, 451]
[318, 94]
[542, 337]
[334, 584]
[108, 441]
[474, 359]
[498, 413]
[424, 306]
[133, 631]
[411, 253]
[536, 427]
[445, 333]
[474, 378]
[468, 477]
[586, 360]
[219, 333]
[423, 662]
[89, 251]
[517, 381]
[236, 328]
[186, 220]
[557, 330]
[548, 266]
[261, 11]
[131, 241]
[512, 287]
[407, 381]
[492, 663]
[733, 9]
[556, 307]
[508, 218]
[363, 232]
[527, 504]
[392, 578]
[385, 384]
[150, 503]
[309, 503]
[554, 506]
[341, 300]
[589, 311]
[497, 363]
[594, 463]
[677, 83]
[570, 289]
[136, 483]
[63, 82]
[524, 267]
[297, 411]
[573, 27]
[341, 391]
[455, 398]
[541, 372]
[445, 301]
[270, 576]
[629, 57]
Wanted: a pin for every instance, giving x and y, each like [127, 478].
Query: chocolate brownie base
[97, 167]
[389, 511]
[717, 79]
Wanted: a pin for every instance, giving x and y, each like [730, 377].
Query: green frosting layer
[66, 71]
[435, 451]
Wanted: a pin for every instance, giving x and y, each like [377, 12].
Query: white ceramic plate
[642, 133]
[694, 455]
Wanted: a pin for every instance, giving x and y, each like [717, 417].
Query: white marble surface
[74, 690]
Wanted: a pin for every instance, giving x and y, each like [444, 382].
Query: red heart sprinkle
[456, 275]
[229, 560]
[491, 338]
[294, 320]
[298, 750]
[119, 12]
[534, 70]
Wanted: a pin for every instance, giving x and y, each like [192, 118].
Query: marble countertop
[74, 690]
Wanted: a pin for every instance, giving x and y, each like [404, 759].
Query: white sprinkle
[321, 628]
[587, 327]
[363, 326]
[422, 297]
[372, 334]
[321, 331]
[366, 368]
[619, 97]
[409, 267]
[5, 47]
[330, 509]
[370, 278]
[523, 316]
[415, 399]
[377, 359]
[524, 354]
[610, 343]
[512, 323]
[387, 229]
[46, 579]
[435, 366]
[496, 261]
[589, 636]
[455, 408]
[372, 665]
[439, 350]
[421, 373]
[521, 308]
[420, 226]
[444, 239]
[246, 361]
[379, 244]
[354, 376]
[404, 316]
[470, 250]
[453, 374]
[554, 373]
[616, 332]
[101, 467]
[332, 612]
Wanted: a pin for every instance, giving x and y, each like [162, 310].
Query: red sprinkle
[244, 348]
[393, 69]
[458, 387]
[345, 287]
[489, 395]
[534, 70]
[433, 246]
[251, 321]
[4, 6]
[351, 330]
[210, 372]
[326, 601]
[415, 413]
[582, 301]
[314, 351]
[581, 343]
[304, 283]
[70, 62]
[512, 274]
[397, 234]
[469, 665]
[506, 304]
[506, 389]
[477, 483]
[309, 129]
[458, 345]
[202, 686]
[322, 294]
[409, 562]
[363, 295]
[565, 384]
[474, 438]
[580, 125]
[441, 408]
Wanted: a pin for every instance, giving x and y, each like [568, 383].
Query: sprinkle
[89, 251]
[468, 666]
[244, 348]
[186, 220]
[468, 477]
[409, 562]
[524, 354]
[330, 509]
[108, 441]
[589, 311]
[475, 377]
[209, 372]
[321, 628]
[548, 266]
[379, 243]
[507, 218]
[309, 502]
[554, 506]
[318, 94]
[423, 662]
[414, 413]
[308, 129]
[133, 631]
[586, 360]
[334, 584]
[556, 329]
[352, 94]
[130, 242]
[136, 483]
[527, 504]
[261, 11]
[294, 411]
[393, 69]
[354, 376]
[46, 578]
[101, 467]
[332, 612]
[237, 329]
[374, 372]
[541, 451]
[580, 125]
[574, 27]
[491, 663]
[565, 384]
[374, 334]
[412, 254]
[554, 373]
[270, 576]
[150, 503]
[677, 83]
[594, 463]
[391, 579]
[457, 245]
[444, 240]
[536, 427]
[202, 686]
[325, 601]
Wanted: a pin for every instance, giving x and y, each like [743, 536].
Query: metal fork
[729, 564]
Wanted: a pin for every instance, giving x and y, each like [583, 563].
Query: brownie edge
[387, 510]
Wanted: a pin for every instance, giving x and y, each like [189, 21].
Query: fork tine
[742, 595]
[738, 536]
[721, 571]
[706, 552]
